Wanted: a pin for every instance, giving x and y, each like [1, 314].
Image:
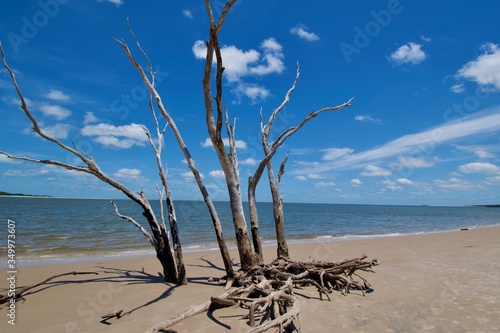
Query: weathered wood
[116, 314]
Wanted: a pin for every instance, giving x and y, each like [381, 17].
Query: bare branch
[282, 167]
[138, 225]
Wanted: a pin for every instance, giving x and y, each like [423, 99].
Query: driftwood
[266, 291]
[19, 292]
[116, 314]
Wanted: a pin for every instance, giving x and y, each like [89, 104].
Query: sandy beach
[446, 282]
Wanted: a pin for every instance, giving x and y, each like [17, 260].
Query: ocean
[55, 229]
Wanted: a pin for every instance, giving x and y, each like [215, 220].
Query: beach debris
[267, 291]
[116, 314]
[21, 291]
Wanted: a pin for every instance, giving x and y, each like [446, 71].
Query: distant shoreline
[22, 195]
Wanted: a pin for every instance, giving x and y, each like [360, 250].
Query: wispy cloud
[375, 171]
[240, 144]
[368, 119]
[410, 53]
[117, 3]
[129, 174]
[457, 88]
[485, 69]
[480, 123]
[302, 32]
[187, 13]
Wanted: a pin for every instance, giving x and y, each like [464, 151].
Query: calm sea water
[62, 229]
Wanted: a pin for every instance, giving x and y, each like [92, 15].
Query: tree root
[267, 291]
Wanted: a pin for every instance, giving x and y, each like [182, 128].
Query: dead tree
[214, 119]
[270, 149]
[159, 238]
[149, 83]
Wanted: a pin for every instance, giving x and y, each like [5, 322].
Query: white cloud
[253, 91]
[90, 118]
[58, 131]
[410, 53]
[479, 123]
[314, 176]
[455, 184]
[457, 88]
[219, 174]
[114, 2]
[187, 13]
[324, 184]
[304, 34]
[409, 162]
[479, 151]
[375, 171]
[301, 178]
[240, 144]
[55, 111]
[57, 95]
[425, 39]
[239, 63]
[390, 185]
[405, 181]
[189, 175]
[356, 182]
[331, 154]
[131, 174]
[249, 161]
[367, 119]
[477, 167]
[5, 159]
[485, 69]
[122, 137]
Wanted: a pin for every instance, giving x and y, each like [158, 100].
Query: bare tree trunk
[279, 216]
[214, 124]
[254, 219]
[174, 232]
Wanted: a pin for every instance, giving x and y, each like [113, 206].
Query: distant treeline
[21, 194]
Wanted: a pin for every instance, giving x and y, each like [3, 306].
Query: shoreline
[433, 282]
[149, 251]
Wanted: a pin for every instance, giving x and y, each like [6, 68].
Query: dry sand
[448, 282]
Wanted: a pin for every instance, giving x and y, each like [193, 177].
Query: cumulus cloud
[404, 181]
[302, 32]
[121, 137]
[375, 171]
[55, 111]
[485, 69]
[57, 95]
[478, 167]
[356, 182]
[410, 53]
[249, 161]
[130, 174]
[240, 64]
[301, 178]
[90, 118]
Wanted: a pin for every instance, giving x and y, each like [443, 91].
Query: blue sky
[423, 127]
